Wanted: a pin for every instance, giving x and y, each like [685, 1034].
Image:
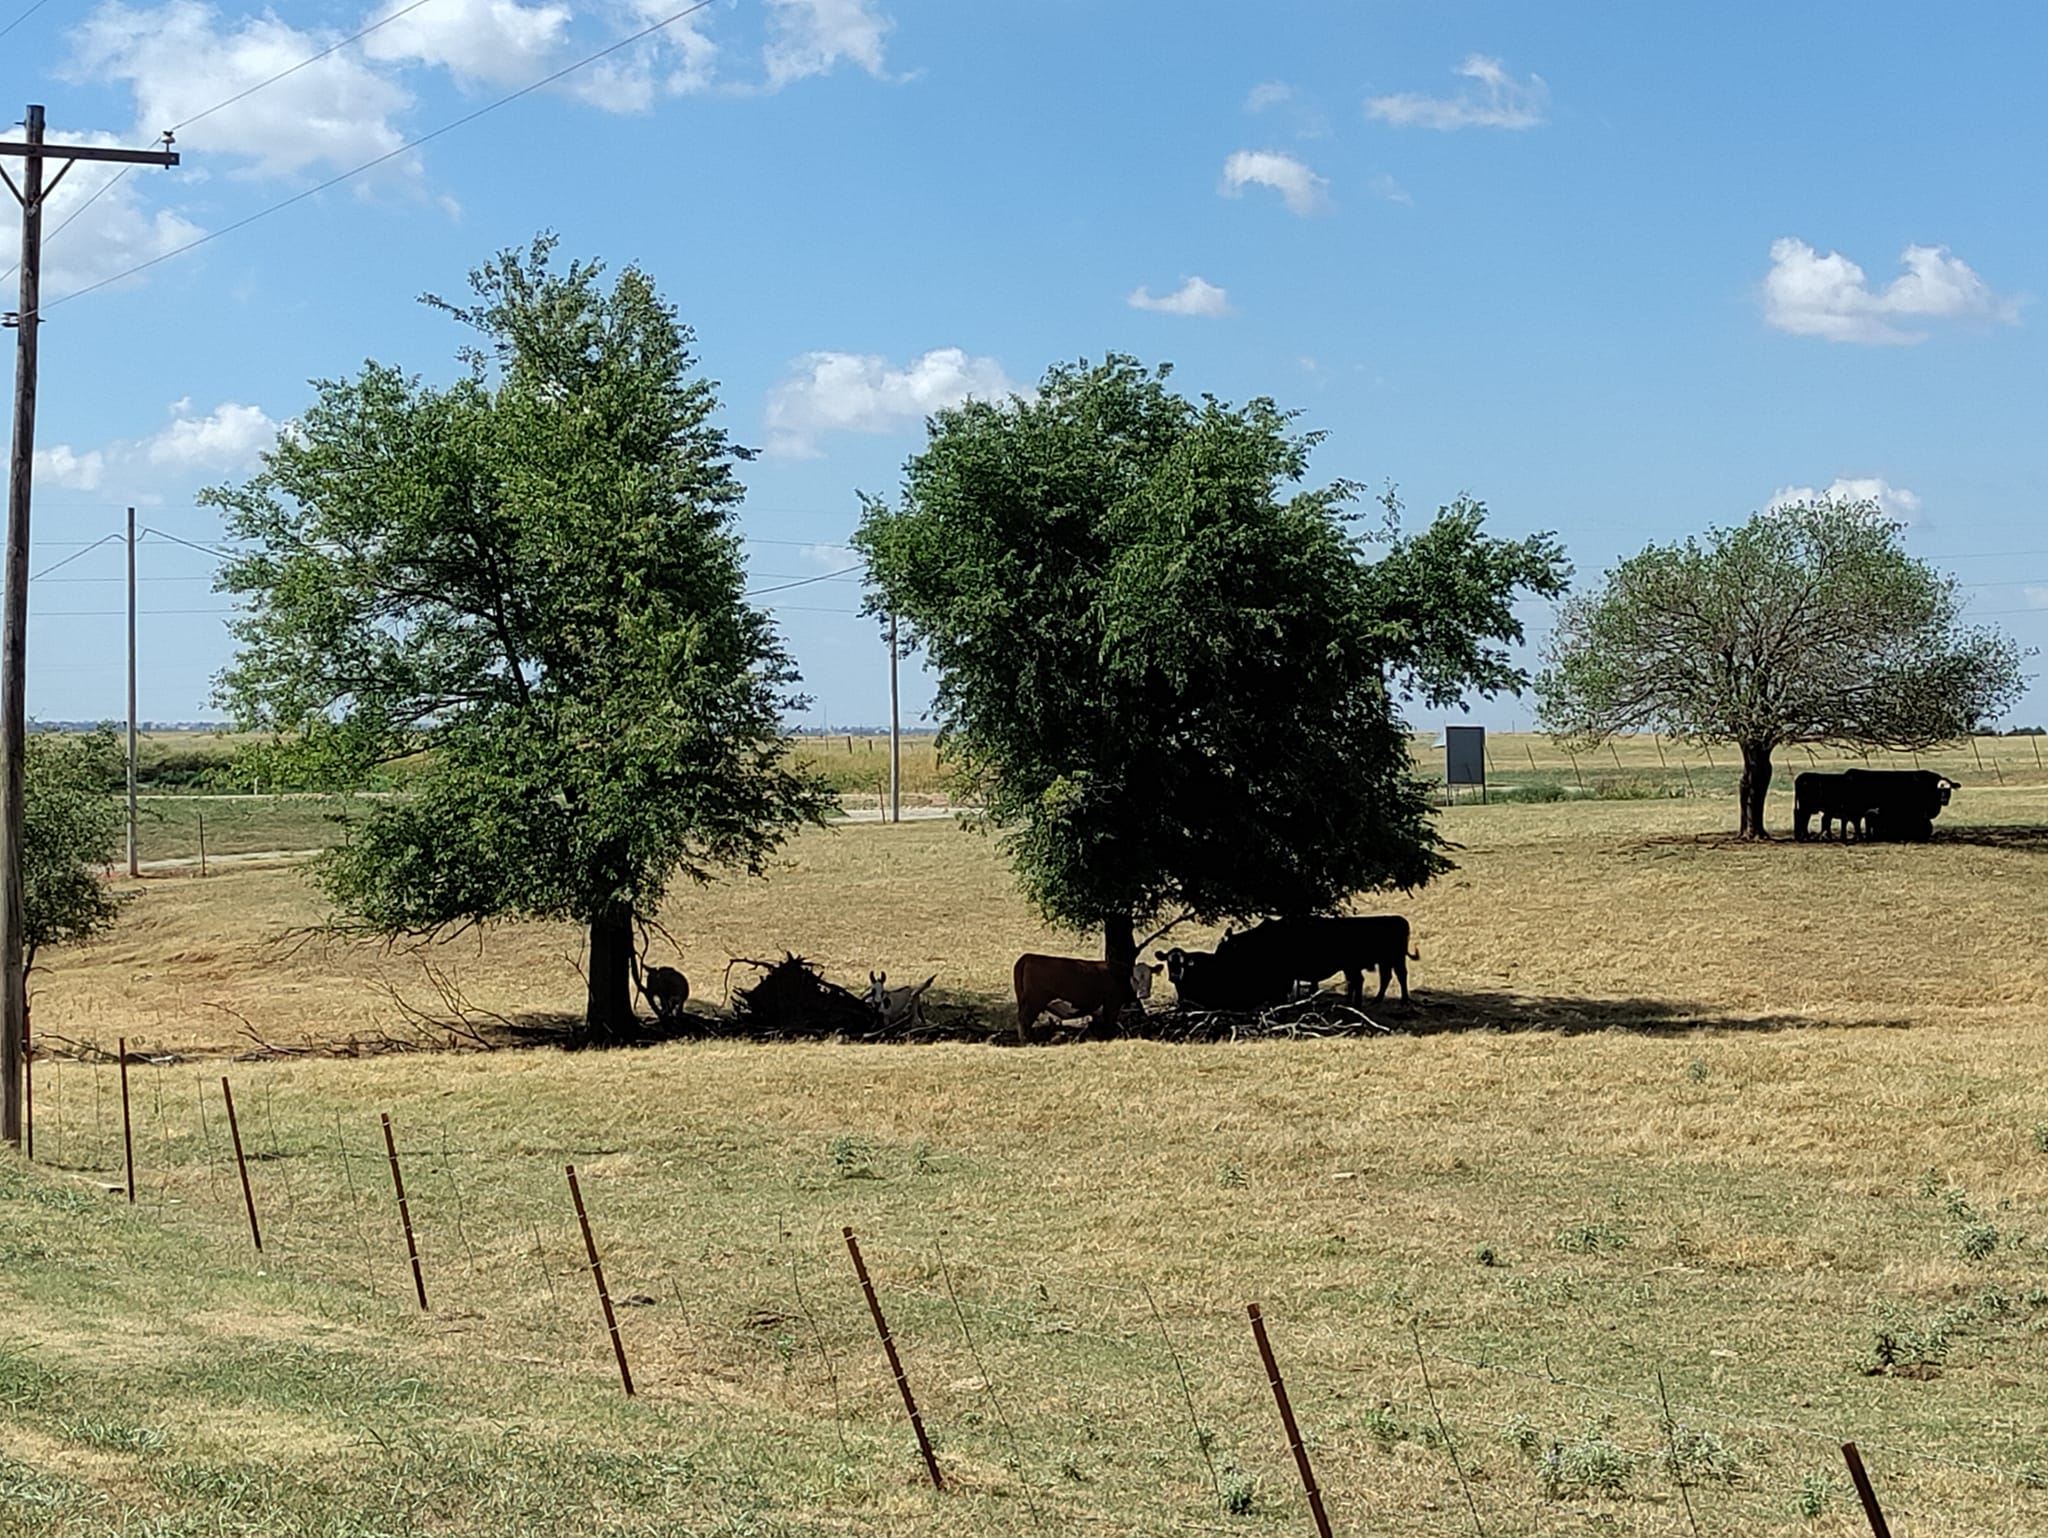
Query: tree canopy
[1807, 624]
[1170, 670]
[531, 580]
[71, 831]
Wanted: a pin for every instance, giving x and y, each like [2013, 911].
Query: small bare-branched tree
[1807, 624]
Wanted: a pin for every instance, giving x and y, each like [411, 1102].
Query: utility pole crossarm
[88, 152]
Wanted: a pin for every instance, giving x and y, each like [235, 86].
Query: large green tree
[1170, 670]
[529, 580]
[71, 832]
[1807, 624]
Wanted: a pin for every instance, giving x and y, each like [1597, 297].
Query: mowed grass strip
[1765, 1216]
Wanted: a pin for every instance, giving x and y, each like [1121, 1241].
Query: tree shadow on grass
[1441, 1011]
[2023, 838]
[988, 1019]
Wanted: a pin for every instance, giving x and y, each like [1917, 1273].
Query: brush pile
[793, 999]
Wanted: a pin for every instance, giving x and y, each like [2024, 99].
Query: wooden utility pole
[31, 192]
[134, 866]
[895, 734]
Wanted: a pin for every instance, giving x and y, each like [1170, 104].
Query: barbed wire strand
[1744, 1421]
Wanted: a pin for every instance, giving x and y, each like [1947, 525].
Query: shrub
[1634, 787]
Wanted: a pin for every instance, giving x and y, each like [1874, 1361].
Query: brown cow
[1082, 987]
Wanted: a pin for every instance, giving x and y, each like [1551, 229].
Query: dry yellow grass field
[1758, 1119]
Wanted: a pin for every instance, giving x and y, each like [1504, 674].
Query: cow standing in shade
[1261, 966]
[1880, 803]
[1070, 987]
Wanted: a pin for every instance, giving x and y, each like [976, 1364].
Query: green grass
[175, 827]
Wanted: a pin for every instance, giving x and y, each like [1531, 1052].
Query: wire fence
[1055, 1383]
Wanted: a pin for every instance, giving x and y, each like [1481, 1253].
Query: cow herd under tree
[1896, 804]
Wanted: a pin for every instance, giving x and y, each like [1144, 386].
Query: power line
[284, 73]
[409, 145]
[122, 613]
[98, 193]
[212, 550]
[105, 539]
[800, 582]
[24, 16]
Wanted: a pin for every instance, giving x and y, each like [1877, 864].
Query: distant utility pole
[895, 734]
[134, 868]
[31, 192]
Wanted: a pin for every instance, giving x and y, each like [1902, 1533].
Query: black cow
[1831, 797]
[1207, 980]
[1883, 803]
[1901, 803]
[1261, 965]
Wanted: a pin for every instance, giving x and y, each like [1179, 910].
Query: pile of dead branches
[793, 999]
[1319, 1015]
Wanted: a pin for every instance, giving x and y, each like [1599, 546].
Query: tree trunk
[1756, 784]
[609, 1005]
[1119, 940]
[1120, 950]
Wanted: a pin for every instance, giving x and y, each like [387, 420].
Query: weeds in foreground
[1590, 1238]
[1815, 1489]
[1902, 1346]
[1591, 1463]
[853, 1156]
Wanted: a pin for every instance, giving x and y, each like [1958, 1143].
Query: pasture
[1769, 1121]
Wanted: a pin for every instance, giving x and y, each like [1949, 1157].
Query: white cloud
[678, 61]
[1270, 93]
[498, 41]
[1808, 294]
[1194, 297]
[828, 557]
[812, 37]
[1384, 186]
[1895, 502]
[181, 59]
[1501, 101]
[861, 392]
[230, 437]
[1303, 191]
[69, 469]
[2036, 597]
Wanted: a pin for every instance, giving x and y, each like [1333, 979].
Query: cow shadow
[2021, 838]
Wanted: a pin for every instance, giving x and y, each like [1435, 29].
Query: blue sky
[1624, 272]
